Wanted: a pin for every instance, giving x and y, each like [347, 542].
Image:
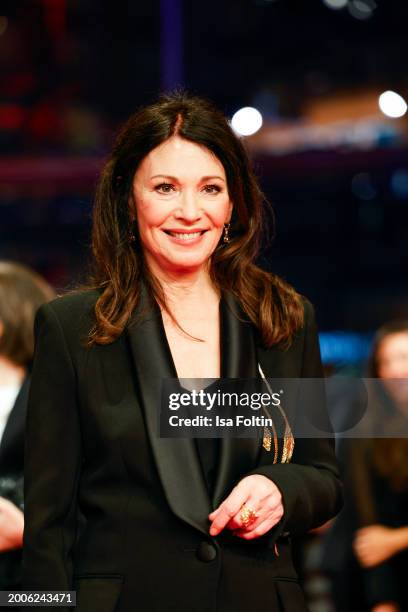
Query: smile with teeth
[184, 235]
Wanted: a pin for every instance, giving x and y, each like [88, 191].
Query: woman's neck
[10, 372]
[188, 288]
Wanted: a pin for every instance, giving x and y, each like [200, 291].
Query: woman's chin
[188, 267]
[187, 264]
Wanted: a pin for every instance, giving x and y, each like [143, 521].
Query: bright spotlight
[335, 4]
[392, 104]
[246, 121]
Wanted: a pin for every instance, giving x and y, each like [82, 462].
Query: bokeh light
[335, 4]
[246, 121]
[361, 9]
[362, 186]
[392, 104]
[3, 24]
[399, 183]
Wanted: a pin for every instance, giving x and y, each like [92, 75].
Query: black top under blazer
[120, 514]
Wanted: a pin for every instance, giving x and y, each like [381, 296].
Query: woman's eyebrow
[210, 178]
[165, 176]
[176, 180]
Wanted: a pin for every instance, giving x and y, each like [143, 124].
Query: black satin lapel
[238, 360]
[176, 459]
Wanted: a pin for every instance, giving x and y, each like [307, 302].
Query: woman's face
[392, 366]
[181, 202]
[392, 356]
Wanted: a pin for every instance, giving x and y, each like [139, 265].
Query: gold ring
[247, 515]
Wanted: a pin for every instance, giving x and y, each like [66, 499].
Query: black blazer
[119, 513]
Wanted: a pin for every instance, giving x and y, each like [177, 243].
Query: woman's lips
[185, 237]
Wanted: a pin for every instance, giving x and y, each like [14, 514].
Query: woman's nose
[190, 209]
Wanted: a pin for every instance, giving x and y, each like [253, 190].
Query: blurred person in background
[366, 550]
[22, 291]
[128, 518]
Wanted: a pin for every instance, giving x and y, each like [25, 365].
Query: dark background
[71, 71]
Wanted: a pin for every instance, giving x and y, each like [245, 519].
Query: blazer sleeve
[52, 459]
[310, 485]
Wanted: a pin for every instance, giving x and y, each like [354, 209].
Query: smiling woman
[182, 149]
[132, 520]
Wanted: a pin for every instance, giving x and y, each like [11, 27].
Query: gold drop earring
[226, 229]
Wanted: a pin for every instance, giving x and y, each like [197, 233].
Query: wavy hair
[118, 266]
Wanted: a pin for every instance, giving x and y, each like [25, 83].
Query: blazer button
[206, 552]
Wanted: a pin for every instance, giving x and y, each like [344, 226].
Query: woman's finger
[257, 531]
[229, 508]
[244, 519]
[270, 515]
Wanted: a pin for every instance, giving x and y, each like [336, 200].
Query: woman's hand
[11, 525]
[375, 544]
[259, 494]
[388, 606]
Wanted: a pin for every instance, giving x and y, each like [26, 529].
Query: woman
[372, 529]
[127, 518]
[381, 538]
[22, 291]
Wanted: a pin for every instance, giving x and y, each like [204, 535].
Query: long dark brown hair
[118, 266]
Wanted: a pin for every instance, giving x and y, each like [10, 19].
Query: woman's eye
[164, 188]
[212, 189]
